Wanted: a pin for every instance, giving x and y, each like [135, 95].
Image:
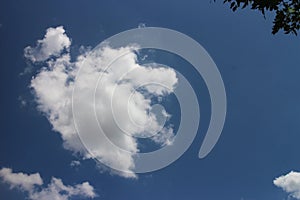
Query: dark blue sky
[260, 140]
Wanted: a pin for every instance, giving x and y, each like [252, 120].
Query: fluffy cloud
[290, 183]
[20, 180]
[32, 184]
[125, 83]
[54, 42]
[56, 190]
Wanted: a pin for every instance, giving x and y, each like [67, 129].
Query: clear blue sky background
[260, 140]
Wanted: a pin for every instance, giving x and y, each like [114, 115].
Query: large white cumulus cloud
[32, 184]
[119, 84]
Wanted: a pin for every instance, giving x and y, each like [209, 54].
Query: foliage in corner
[287, 12]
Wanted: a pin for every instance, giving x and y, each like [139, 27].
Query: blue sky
[260, 139]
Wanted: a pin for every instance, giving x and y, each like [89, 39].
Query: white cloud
[75, 163]
[54, 84]
[22, 101]
[19, 180]
[290, 183]
[32, 184]
[56, 190]
[164, 137]
[54, 42]
[141, 25]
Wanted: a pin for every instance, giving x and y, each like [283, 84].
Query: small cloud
[83, 50]
[27, 70]
[54, 42]
[75, 163]
[164, 137]
[290, 183]
[141, 25]
[144, 57]
[26, 182]
[32, 184]
[22, 101]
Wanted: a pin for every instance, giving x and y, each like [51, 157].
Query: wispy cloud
[75, 163]
[32, 185]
